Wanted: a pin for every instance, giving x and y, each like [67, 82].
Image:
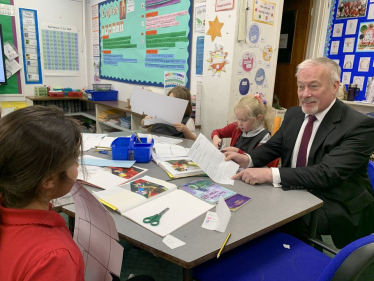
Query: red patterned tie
[301, 157]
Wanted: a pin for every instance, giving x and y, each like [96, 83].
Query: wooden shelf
[114, 126]
[359, 103]
[91, 114]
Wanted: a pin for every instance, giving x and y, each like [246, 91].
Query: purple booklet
[236, 201]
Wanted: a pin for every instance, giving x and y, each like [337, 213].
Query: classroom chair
[371, 173]
[268, 258]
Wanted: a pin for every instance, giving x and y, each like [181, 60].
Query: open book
[148, 196]
[108, 177]
[178, 168]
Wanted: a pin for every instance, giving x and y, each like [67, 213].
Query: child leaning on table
[251, 128]
[39, 148]
[186, 129]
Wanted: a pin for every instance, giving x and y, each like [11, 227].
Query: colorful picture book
[108, 177]
[207, 191]
[137, 192]
[127, 173]
[236, 201]
[148, 196]
[179, 168]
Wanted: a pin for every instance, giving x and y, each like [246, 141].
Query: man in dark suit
[325, 147]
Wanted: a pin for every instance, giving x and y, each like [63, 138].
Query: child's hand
[230, 149]
[148, 117]
[180, 127]
[216, 141]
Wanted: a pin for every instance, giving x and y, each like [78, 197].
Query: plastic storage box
[56, 94]
[75, 94]
[102, 95]
[101, 87]
[129, 148]
[41, 91]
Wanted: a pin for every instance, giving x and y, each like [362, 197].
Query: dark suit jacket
[336, 170]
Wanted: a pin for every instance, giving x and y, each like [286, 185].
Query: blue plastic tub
[129, 148]
[102, 95]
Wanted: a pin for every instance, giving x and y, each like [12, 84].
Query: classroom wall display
[217, 60]
[244, 86]
[223, 5]
[30, 46]
[60, 49]
[140, 40]
[199, 55]
[253, 35]
[248, 61]
[173, 79]
[263, 11]
[200, 12]
[365, 40]
[215, 29]
[9, 35]
[350, 42]
[351, 9]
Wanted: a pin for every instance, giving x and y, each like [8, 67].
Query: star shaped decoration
[215, 28]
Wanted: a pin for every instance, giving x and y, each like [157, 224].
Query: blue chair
[265, 258]
[371, 173]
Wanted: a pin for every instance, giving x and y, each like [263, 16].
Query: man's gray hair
[332, 67]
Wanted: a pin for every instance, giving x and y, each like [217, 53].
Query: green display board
[7, 27]
[141, 40]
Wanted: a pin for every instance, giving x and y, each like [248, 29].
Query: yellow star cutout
[215, 28]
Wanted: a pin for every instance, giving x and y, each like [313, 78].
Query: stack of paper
[160, 140]
[110, 114]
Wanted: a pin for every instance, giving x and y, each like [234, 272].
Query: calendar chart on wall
[60, 50]
[141, 40]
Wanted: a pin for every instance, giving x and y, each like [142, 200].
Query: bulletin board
[350, 41]
[140, 40]
[9, 34]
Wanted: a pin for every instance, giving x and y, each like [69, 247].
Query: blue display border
[37, 46]
[139, 82]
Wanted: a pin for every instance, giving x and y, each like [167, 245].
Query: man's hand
[180, 127]
[238, 158]
[230, 149]
[255, 175]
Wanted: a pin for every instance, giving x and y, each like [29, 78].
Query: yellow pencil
[136, 134]
[224, 244]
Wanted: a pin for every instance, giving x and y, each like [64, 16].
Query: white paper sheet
[100, 177]
[172, 242]
[160, 140]
[218, 220]
[184, 208]
[212, 161]
[91, 140]
[170, 150]
[95, 234]
[169, 109]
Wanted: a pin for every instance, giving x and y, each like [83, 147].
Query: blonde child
[252, 128]
[39, 148]
[185, 129]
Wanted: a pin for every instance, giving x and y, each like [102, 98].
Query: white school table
[269, 209]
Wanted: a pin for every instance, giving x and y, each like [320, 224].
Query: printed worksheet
[212, 161]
